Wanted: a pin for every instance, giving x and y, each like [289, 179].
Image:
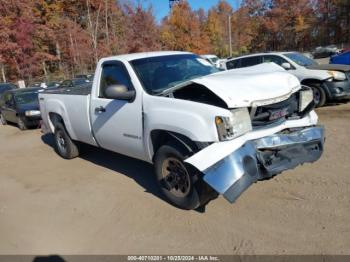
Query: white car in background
[329, 82]
[213, 59]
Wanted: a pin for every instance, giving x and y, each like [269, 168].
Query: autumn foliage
[46, 39]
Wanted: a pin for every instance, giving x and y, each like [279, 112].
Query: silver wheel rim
[2, 119]
[61, 142]
[317, 96]
[20, 123]
[176, 177]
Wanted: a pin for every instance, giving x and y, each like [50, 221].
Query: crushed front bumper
[263, 158]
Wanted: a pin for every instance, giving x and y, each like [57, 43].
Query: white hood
[256, 85]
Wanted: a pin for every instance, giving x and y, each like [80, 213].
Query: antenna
[173, 2]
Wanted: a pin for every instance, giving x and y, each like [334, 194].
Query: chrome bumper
[263, 158]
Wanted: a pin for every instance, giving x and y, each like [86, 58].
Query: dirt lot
[104, 203]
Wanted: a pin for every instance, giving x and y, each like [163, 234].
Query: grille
[269, 114]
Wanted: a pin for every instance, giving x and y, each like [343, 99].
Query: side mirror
[286, 66]
[119, 92]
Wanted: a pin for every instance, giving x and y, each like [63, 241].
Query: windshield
[4, 88]
[158, 74]
[301, 59]
[26, 98]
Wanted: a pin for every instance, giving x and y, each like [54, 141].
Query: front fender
[193, 120]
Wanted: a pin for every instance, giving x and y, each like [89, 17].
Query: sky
[161, 7]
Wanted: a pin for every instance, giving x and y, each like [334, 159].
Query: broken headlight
[234, 126]
[305, 98]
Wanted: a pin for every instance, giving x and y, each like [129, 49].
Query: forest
[55, 39]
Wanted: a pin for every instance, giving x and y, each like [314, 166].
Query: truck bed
[82, 91]
[73, 104]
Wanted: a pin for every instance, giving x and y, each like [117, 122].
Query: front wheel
[319, 95]
[3, 120]
[180, 184]
[64, 145]
[21, 124]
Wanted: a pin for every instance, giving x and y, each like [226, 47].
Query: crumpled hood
[261, 84]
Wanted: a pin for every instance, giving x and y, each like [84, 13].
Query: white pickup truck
[206, 132]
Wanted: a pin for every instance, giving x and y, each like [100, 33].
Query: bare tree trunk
[3, 73]
[58, 53]
[93, 27]
[73, 49]
[45, 71]
[347, 13]
[18, 68]
[106, 21]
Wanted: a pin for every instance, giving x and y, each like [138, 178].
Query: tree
[181, 30]
[143, 34]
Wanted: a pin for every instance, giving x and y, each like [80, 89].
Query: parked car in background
[308, 55]
[5, 87]
[206, 132]
[52, 84]
[20, 106]
[327, 51]
[343, 58]
[213, 59]
[75, 82]
[89, 77]
[36, 85]
[329, 82]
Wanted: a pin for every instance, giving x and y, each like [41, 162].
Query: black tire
[319, 95]
[64, 145]
[21, 124]
[3, 120]
[183, 188]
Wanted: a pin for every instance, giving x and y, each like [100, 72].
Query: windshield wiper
[172, 89]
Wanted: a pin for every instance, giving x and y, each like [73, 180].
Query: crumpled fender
[247, 161]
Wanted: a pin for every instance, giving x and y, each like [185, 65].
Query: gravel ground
[104, 203]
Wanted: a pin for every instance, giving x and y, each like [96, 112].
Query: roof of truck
[130, 57]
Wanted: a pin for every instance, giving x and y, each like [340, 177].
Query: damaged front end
[263, 158]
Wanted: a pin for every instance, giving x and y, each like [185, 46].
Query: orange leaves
[183, 30]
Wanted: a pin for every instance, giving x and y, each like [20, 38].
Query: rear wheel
[319, 95]
[64, 145]
[179, 183]
[3, 120]
[21, 124]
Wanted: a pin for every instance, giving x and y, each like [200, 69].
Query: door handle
[100, 109]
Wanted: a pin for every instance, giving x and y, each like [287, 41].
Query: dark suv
[20, 106]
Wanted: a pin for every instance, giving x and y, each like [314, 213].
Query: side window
[8, 99]
[2, 99]
[233, 64]
[114, 73]
[65, 83]
[250, 61]
[275, 59]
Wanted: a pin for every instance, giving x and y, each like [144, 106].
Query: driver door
[9, 108]
[117, 124]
